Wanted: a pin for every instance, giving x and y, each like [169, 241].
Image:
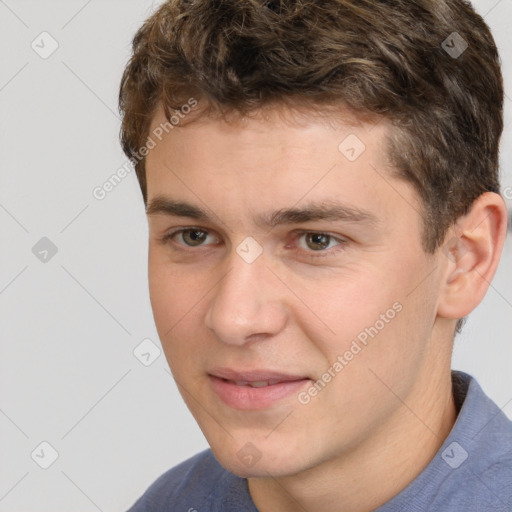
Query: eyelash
[165, 239]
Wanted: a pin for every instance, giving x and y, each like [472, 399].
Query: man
[321, 185]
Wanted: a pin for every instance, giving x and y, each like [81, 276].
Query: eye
[190, 237]
[318, 241]
[321, 243]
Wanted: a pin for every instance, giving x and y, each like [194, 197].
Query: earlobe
[473, 251]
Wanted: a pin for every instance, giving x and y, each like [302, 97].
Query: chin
[249, 461]
[260, 469]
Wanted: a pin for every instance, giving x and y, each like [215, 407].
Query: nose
[246, 305]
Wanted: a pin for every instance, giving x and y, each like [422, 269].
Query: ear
[472, 250]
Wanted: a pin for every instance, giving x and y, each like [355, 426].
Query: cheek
[374, 314]
[386, 341]
[345, 306]
[178, 302]
[160, 294]
[171, 298]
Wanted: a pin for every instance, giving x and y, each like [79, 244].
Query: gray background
[70, 323]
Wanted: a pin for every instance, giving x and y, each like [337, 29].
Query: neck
[380, 467]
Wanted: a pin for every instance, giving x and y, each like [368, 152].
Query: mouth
[256, 383]
[257, 389]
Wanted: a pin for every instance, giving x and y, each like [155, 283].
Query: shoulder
[185, 486]
[472, 471]
[478, 457]
[478, 489]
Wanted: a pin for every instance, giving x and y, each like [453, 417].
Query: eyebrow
[313, 211]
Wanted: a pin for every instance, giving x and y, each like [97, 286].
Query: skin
[373, 428]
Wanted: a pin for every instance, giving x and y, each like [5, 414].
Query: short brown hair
[431, 67]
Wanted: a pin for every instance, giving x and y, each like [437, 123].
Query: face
[288, 284]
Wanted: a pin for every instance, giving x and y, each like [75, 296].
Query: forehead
[299, 133]
[286, 117]
[276, 159]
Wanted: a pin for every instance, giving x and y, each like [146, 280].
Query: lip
[232, 387]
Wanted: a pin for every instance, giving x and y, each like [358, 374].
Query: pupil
[318, 241]
[194, 237]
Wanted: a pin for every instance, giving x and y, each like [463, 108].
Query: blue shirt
[472, 471]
